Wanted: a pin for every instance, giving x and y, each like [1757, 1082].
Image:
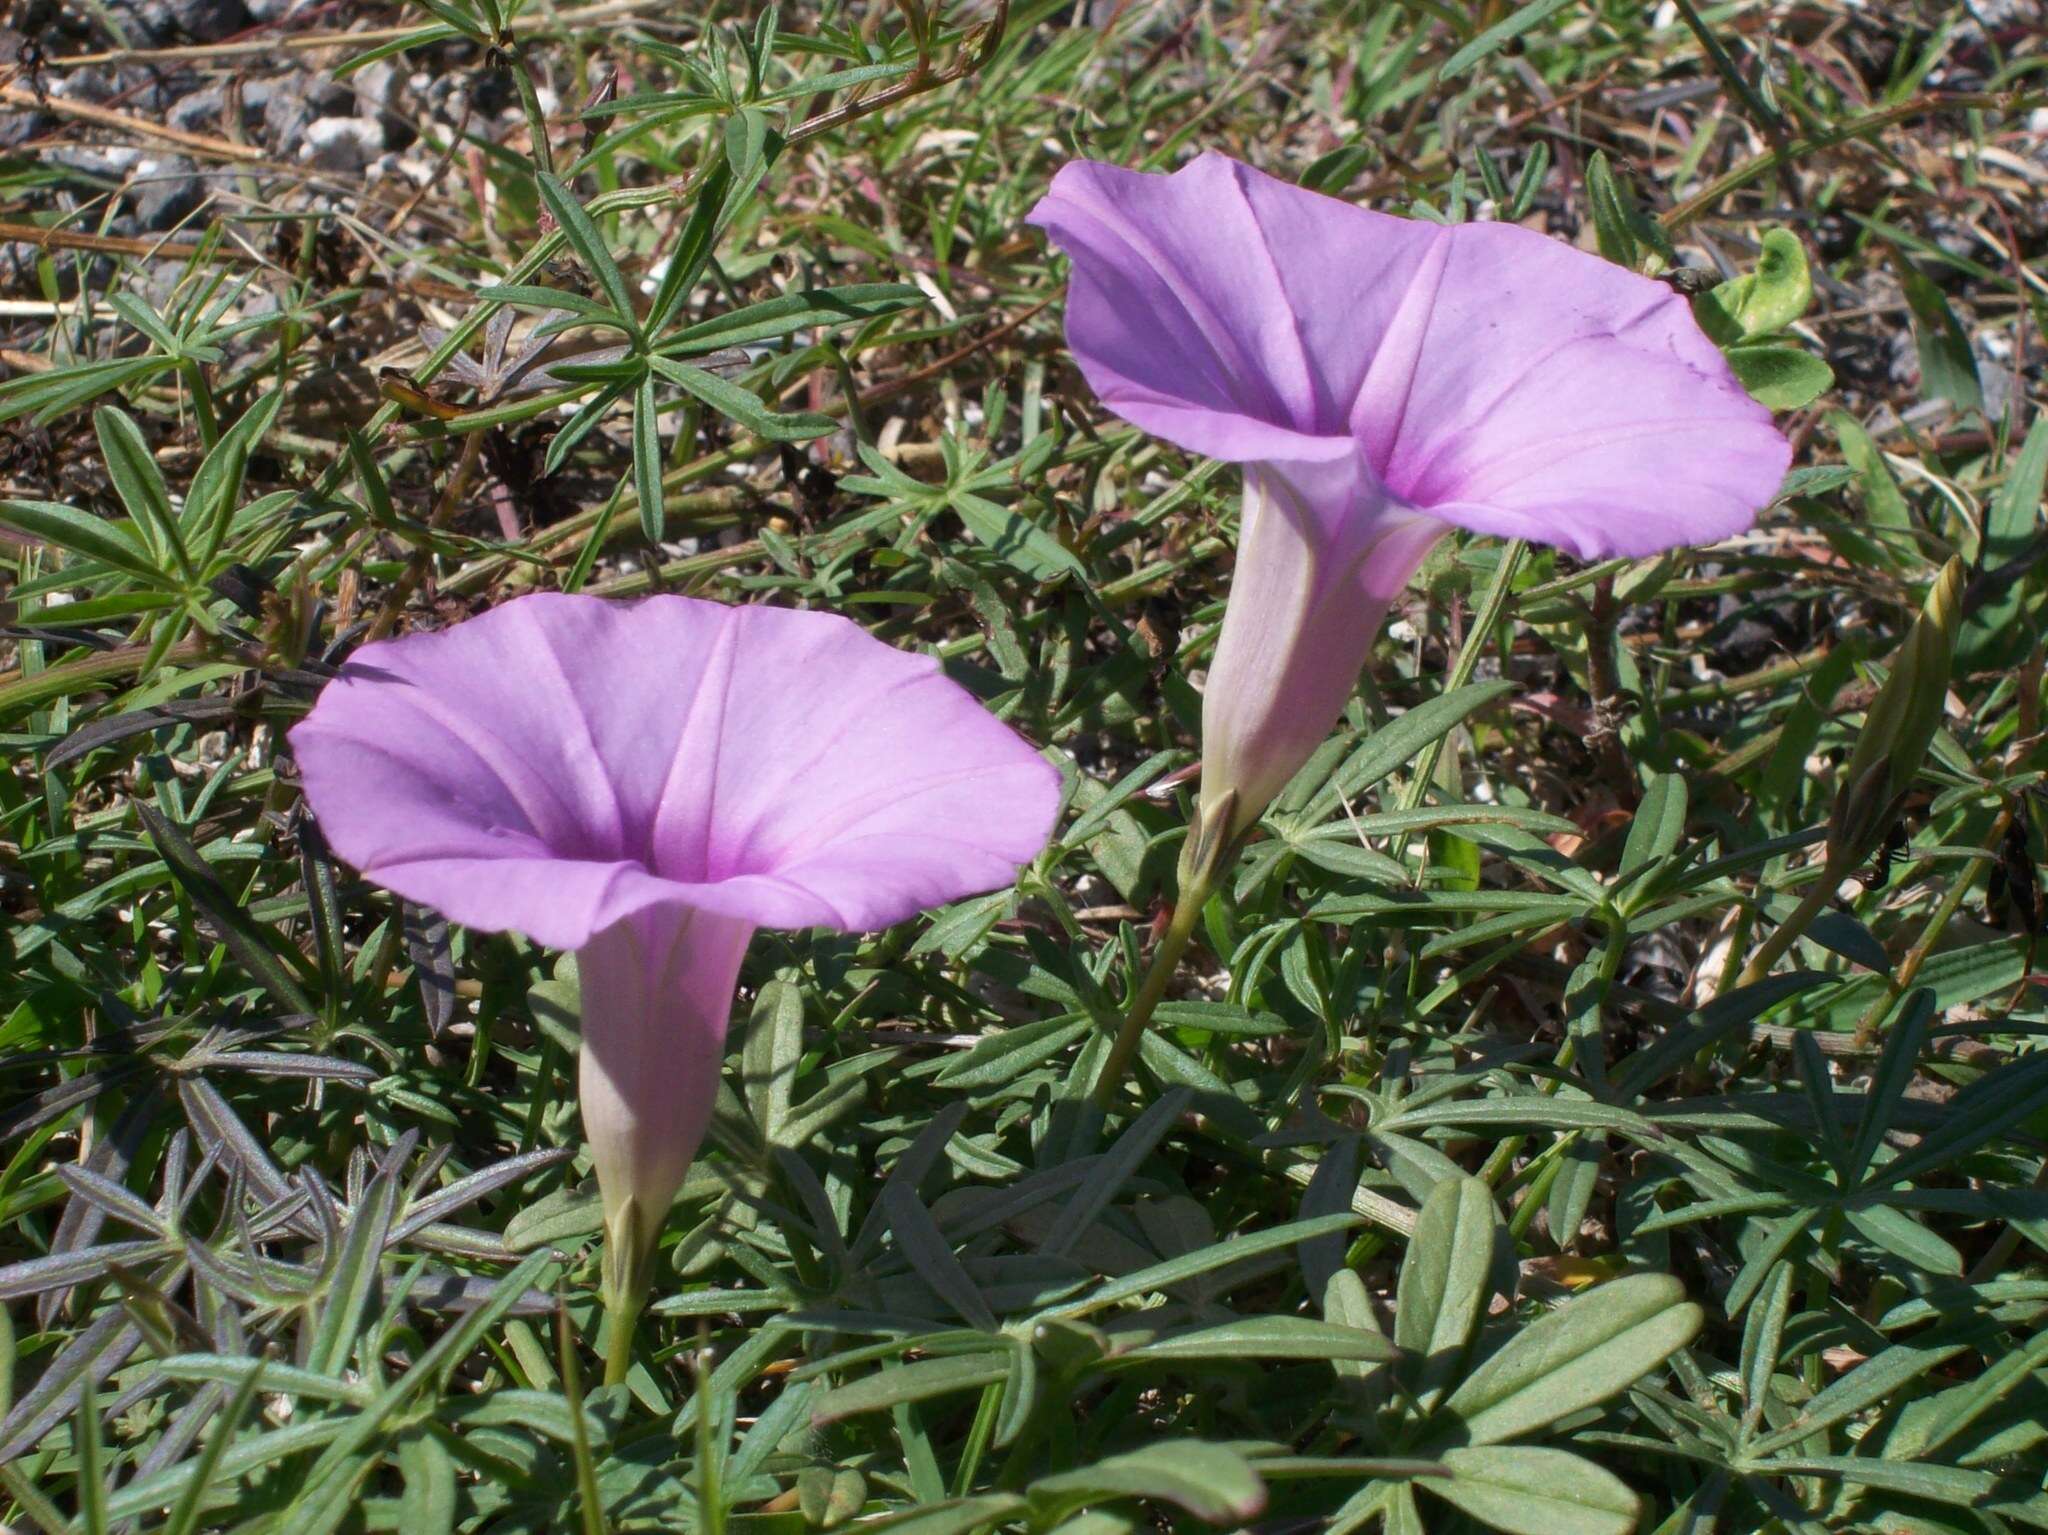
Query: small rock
[343, 143]
[18, 128]
[176, 21]
[199, 112]
[165, 193]
[376, 87]
[288, 112]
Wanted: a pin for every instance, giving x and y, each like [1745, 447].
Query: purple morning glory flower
[646, 784]
[1384, 380]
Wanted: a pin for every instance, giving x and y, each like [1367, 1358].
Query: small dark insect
[2013, 893]
[1690, 280]
[601, 95]
[1879, 874]
[814, 484]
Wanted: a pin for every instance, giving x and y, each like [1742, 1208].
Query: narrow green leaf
[1522, 19]
[1443, 1287]
[913, 1382]
[139, 483]
[588, 240]
[743, 405]
[1267, 1337]
[85, 535]
[247, 941]
[647, 460]
[352, 1283]
[1877, 1379]
[1948, 366]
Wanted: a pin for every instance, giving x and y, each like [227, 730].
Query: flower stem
[1786, 933]
[1901, 980]
[628, 1274]
[1165, 960]
[1208, 852]
[620, 1320]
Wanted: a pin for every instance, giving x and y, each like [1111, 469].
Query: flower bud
[1899, 726]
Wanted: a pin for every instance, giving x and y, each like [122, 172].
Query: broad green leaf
[1780, 377]
[1764, 300]
[1529, 1491]
[1589, 1349]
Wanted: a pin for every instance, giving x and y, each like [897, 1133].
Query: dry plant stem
[310, 42]
[104, 117]
[416, 568]
[1937, 924]
[1920, 106]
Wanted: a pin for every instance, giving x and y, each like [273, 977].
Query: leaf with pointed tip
[588, 240]
[1211, 1481]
